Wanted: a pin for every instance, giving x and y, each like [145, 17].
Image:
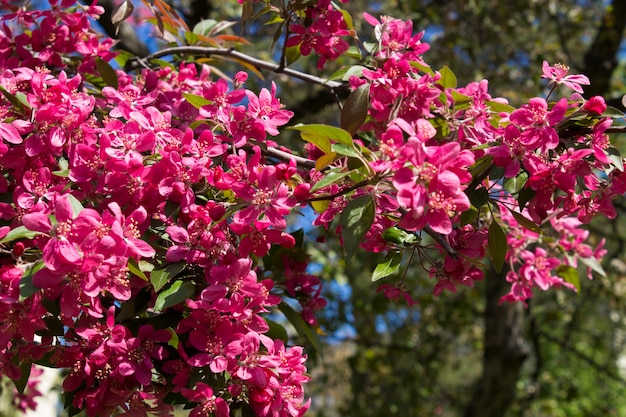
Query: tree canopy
[185, 220]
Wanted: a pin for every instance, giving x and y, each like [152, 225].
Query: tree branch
[237, 56]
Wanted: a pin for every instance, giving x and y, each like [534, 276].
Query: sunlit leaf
[320, 205]
[569, 274]
[160, 277]
[515, 184]
[498, 107]
[321, 135]
[133, 268]
[329, 179]
[388, 266]
[448, 79]
[196, 101]
[325, 160]
[399, 236]
[177, 293]
[20, 232]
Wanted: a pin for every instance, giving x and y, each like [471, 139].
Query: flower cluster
[320, 30]
[140, 214]
[144, 221]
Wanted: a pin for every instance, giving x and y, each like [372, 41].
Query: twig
[340, 193]
[135, 63]
[438, 237]
[579, 131]
[286, 156]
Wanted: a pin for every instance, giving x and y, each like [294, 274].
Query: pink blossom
[558, 75]
[537, 123]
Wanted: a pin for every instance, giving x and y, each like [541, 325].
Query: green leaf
[569, 274]
[448, 79]
[292, 54]
[303, 329]
[422, 67]
[497, 107]
[399, 236]
[177, 293]
[497, 245]
[20, 232]
[354, 111]
[346, 150]
[481, 165]
[355, 221]
[160, 277]
[524, 196]
[348, 19]
[388, 266]
[276, 331]
[76, 205]
[173, 342]
[20, 384]
[526, 222]
[468, 216]
[18, 100]
[323, 134]
[594, 265]
[461, 101]
[613, 113]
[107, 73]
[26, 282]
[479, 197]
[616, 158]
[325, 160]
[515, 184]
[329, 179]
[204, 27]
[134, 269]
[196, 101]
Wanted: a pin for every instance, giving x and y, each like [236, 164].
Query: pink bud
[18, 249]
[595, 105]
[302, 192]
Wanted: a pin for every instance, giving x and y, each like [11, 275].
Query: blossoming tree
[145, 237]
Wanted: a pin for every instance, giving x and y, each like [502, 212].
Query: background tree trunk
[504, 353]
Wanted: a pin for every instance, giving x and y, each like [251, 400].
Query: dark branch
[237, 56]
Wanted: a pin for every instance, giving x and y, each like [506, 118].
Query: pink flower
[537, 268]
[558, 75]
[537, 123]
[60, 250]
[208, 403]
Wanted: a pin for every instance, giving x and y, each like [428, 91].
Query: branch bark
[236, 56]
